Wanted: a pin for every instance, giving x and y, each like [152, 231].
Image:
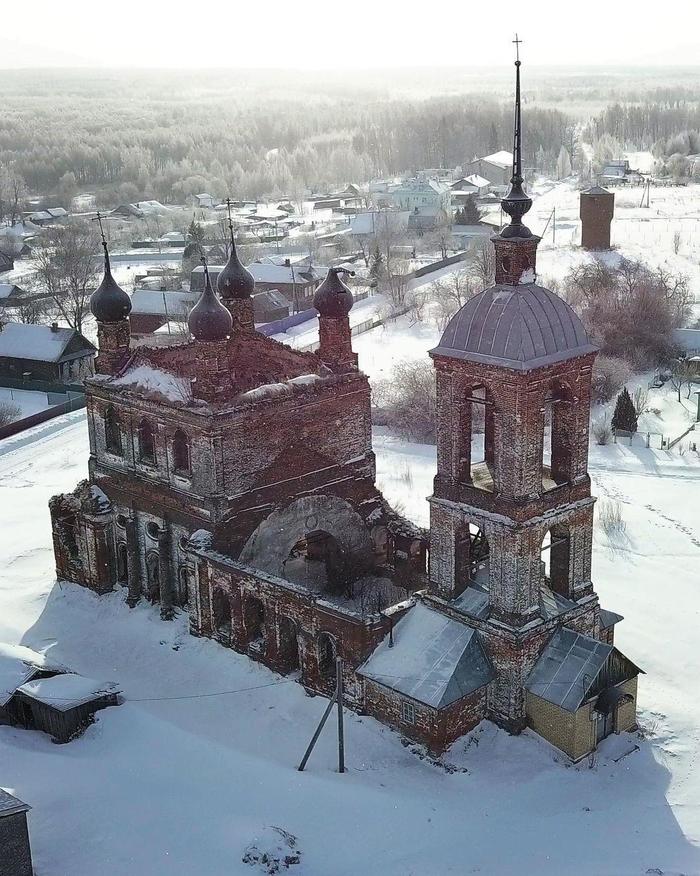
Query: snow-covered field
[184, 785]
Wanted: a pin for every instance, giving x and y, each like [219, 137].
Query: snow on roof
[265, 272]
[434, 659]
[162, 303]
[475, 180]
[6, 289]
[39, 342]
[500, 159]
[567, 668]
[152, 381]
[65, 692]
[10, 805]
[17, 666]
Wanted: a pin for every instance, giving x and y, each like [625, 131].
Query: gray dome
[235, 281]
[333, 298]
[209, 320]
[109, 302]
[519, 327]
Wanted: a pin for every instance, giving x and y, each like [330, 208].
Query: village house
[233, 478]
[296, 280]
[496, 168]
[44, 352]
[427, 201]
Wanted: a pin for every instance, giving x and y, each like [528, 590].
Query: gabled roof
[10, 805]
[500, 159]
[519, 327]
[40, 343]
[18, 664]
[567, 668]
[434, 659]
[65, 692]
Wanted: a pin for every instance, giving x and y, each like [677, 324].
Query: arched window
[113, 433]
[555, 559]
[122, 563]
[147, 443]
[559, 435]
[181, 452]
[326, 655]
[254, 619]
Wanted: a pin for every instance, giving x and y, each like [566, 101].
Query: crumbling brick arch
[326, 652]
[556, 560]
[269, 547]
[559, 414]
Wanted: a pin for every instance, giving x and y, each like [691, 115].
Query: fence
[73, 404]
[648, 439]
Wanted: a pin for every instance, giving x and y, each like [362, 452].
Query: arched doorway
[555, 560]
[221, 615]
[318, 561]
[327, 653]
[288, 644]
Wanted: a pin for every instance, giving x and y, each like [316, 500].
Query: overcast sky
[333, 34]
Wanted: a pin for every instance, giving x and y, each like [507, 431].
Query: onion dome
[109, 302]
[519, 327]
[235, 281]
[333, 298]
[209, 320]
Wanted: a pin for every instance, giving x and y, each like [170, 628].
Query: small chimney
[54, 326]
[287, 263]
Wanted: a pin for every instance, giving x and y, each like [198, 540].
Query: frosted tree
[563, 163]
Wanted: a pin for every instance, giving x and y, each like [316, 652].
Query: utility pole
[336, 699]
[339, 701]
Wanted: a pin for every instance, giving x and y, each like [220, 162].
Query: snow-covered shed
[63, 705]
[18, 665]
[580, 691]
[15, 852]
[430, 673]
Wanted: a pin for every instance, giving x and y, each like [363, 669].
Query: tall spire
[516, 203]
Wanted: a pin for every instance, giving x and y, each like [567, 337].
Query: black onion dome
[209, 320]
[333, 298]
[235, 281]
[109, 302]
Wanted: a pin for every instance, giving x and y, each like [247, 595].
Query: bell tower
[511, 511]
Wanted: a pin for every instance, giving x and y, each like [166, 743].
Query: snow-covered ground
[28, 401]
[185, 785]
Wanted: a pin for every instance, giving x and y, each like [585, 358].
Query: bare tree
[681, 374]
[483, 263]
[13, 191]
[66, 269]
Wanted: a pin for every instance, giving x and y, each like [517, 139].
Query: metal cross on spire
[230, 220]
[516, 203]
[517, 42]
[98, 218]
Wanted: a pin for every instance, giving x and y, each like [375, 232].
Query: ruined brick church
[233, 477]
